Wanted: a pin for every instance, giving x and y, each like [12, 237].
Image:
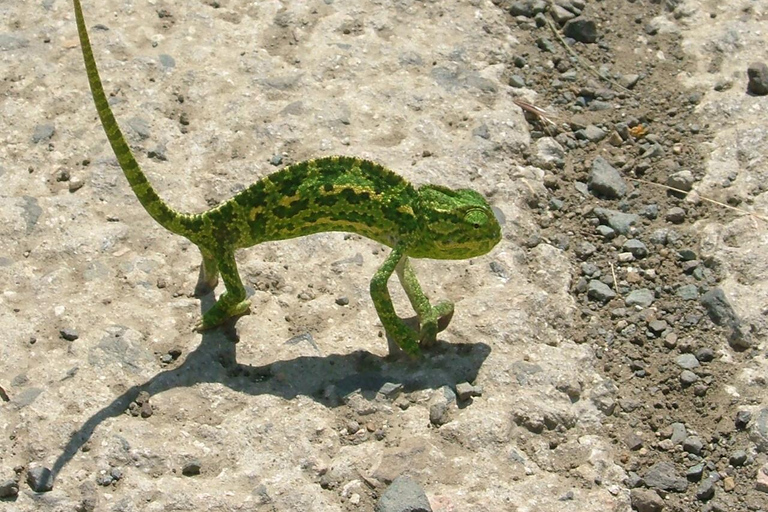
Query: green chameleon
[335, 193]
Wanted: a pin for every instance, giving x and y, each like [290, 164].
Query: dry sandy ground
[286, 412]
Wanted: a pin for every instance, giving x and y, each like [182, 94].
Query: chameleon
[334, 193]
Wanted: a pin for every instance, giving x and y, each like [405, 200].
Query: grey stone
[9, 489]
[517, 81]
[693, 444]
[166, 60]
[642, 297]
[742, 419]
[758, 432]
[695, 473]
[687, 361]
[32, 212]
[591, 133]
[636, 247]
[757, 72]
[721, 313]
[599, 291]
[11, 42]
[40, 479]
[706, 489]
[465, 390]
[582, 30]
[663, 475]
[620, 222]
[140, 127]
[679, 433]
[682, 180]
[43, 132]
[738, 458]
[548, 153]
[26, 397]
[404, 494]
[560, 14]
[584, 250]
[646, 500]
[605, 180]
[687, 377]
[606, 232]
[688, 292]
[675, 215]
[391, 389]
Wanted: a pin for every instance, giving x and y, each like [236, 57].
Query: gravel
[605, 180]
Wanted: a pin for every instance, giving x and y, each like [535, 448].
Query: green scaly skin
[335, 193]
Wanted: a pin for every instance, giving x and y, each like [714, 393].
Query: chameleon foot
[219, 314]
[435, 321]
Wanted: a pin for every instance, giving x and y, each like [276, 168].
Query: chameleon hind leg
[232, 302]
[209, 273]
[432, 319]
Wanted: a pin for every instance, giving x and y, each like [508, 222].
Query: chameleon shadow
[325, 379]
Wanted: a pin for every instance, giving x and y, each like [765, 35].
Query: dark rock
[390, 389]
[404, 494]
[32, 212]
[646, 500]
[636, 247]
[706, 489]
[582, 30]
[705, 355]
[342, 301]
[9, 489]
[599, 291]
[40, 479]
[693, 444]
[69, 334]
[742, 419]
[663, 475]
[695, 473]
[738, 458]
[605, 180]
[721, 313]
[758, 78]
[191, 468]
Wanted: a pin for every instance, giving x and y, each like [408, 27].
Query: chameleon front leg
[432, 319]
[405, 337]
[232, 302]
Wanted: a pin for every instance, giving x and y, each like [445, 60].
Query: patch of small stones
[656, 314]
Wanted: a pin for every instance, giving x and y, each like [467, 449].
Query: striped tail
[167, 217]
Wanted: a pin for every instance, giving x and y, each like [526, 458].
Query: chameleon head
[454, 224]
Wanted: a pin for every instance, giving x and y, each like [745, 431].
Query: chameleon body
[326, 194]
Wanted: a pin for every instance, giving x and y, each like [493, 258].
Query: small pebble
[636, 247]
[675, 215]
[738, 458]
[9, 489]
[40, 479]
[191, 468]
[646, 500]
[742, 419]
[599, 291]
[693, 444]
[687, 361]
[68, 334]
[758, 78]
[465, 391]
[687, 377]
[404, 494]
[342, 301]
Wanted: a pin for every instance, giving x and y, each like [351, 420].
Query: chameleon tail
[160, 211]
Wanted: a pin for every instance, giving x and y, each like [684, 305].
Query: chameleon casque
[335, 193]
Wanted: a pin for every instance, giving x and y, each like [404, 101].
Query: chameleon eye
[476, 218]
